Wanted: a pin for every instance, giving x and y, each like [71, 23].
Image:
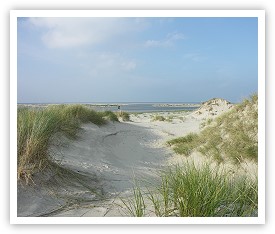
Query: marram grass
[197, 191]
[36, 128]
[125, 116]
[233, 135]
[158, 118]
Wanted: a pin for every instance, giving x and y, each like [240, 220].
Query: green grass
[233, 135]
[158, 118]
[206, 123]
[125, 116]
[36, 128]
[135, 207]
[201, 191]
[111, 116]
[169, 118]
[184, 145]
[211, 191]
[205, 192]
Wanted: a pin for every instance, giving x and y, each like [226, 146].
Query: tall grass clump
[109, 115]
[184, 145]
[123, 115]
[158, 118]
[136, 206]
[233, 135]
[84, 114]
[36, 128]
[34, 131]
[203, 191]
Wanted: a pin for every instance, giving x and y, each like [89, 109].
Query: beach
[99, 169]
[112, 155]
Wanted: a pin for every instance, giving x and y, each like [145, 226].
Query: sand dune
[100, 166]
[212, 108]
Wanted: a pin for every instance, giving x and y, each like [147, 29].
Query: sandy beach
[137, 117]
[101, 165]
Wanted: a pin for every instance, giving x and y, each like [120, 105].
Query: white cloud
[71, 32]
[170, 39]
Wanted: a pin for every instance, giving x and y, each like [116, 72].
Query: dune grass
[198, 191]
[109, 115]
[125, 116]
[184, 145]
[210, 190]
[205, 123]
[36, 128]
[158, 118]
[135, 207]
[233, 135]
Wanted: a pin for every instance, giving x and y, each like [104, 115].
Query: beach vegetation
[135, 206]
[109, 115]
[125, 116]
[158, 118]
[37, 127]
[202, 191]
[206, 122]
[184, 145]
[182, 118]
[233, 135]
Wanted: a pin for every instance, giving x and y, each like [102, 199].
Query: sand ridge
[102, 164]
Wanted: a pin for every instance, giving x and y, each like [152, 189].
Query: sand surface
[100, 166]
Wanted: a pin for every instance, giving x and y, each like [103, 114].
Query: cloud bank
[71, 32]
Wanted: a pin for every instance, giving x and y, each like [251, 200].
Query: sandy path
[102, 163]
[114, 152]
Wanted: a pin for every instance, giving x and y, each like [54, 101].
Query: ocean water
[128, 107]
[148, 107]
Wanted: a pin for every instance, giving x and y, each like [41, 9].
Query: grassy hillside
[36, 128]
[208, 189]
[231, 136]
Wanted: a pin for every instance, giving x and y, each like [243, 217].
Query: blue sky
[136, 59]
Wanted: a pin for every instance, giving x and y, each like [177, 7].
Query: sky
[136, 59]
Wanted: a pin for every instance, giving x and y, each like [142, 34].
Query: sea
[149, 107]
[131, 107]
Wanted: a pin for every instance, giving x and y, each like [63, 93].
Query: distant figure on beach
[118, 107]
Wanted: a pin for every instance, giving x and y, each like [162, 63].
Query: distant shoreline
[129, 107]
